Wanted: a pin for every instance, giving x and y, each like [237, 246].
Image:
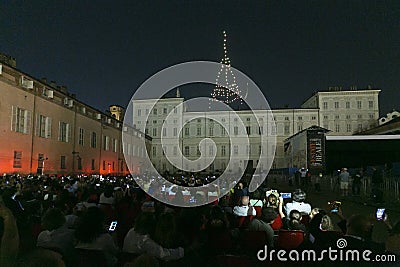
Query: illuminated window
[325, 105]
[235, 130]
[93, 164]
[347, 104]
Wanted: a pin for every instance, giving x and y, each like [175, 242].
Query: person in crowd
[217, 220]
[107, 198]
[359, 232]
[356, 185]
[344, 178]
[303, 177]
[241, 190]
[10, 236]
[91, 234]
[293, 221]
[268, 216]
[166, 232]
[257, 198]
[393, 241]
[314, 212]
[244, 209]
[57, 236]
[41, 257]
[321, 230]
[376, 191]
[139, 241]
[72, 220]
[298, 203]
[276, 202]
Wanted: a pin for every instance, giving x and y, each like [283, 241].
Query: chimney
[44, 80]
[53, 84]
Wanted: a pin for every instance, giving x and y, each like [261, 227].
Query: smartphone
[113, 225]
[192, 200]
[127, 186]
[97, 184]
[379, 213]
[286, 195]
[335, 206]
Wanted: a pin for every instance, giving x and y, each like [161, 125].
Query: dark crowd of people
[111, 221]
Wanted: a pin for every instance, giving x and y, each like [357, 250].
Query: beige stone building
[343, 112]
[45, 129]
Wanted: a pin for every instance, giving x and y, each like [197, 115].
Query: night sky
[103, 50]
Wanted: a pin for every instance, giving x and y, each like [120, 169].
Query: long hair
[326, 223]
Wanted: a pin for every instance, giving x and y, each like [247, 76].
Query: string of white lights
[226, 89]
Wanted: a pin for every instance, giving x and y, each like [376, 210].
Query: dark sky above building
[104, 50]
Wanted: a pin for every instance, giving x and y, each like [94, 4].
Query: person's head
[272, 201]
[91, 225]
[119, 195]
[257, 194]
[359, 225]
[295, 220]
[326, 223]
[314, 212]
[145, 223]
[244, 200]
[268, 215]
[240, 185]
[165, 229]
[53, 219]
[217, 219]
[299, 195]
[295, 215]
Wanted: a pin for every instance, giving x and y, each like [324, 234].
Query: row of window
[349, 127]
[17, 162]
[199, 131]
[337, 105]
[222, 150]
[156, 111]
[132, 150]
[21, 122]
[348, 116]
